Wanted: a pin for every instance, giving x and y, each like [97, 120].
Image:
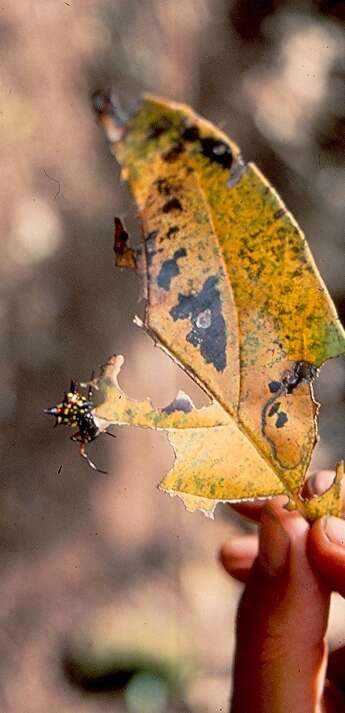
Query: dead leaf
[235, 298]
[124, 255]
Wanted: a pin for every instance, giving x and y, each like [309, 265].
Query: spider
[75, 410]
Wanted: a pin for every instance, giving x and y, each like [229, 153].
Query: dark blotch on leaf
[303, 372]
[190, 132]
[217, 151]
[172, 204]
[170, 269]
[174, 152]
[208, 325]
[282, 419]
[172, 231]
[163, 186]
[179, 404]
[158, 127]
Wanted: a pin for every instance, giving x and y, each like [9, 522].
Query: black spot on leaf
[172, 204]
[169, 270]
[217, 151]
[158, 127]
[208, 331]
[163, 186]
[302, 372]
[190, 132]
[174, 152]
[282, 419]
[172, 231]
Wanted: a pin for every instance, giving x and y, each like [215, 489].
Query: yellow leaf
[235, 297]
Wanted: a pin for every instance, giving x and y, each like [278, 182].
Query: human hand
[281, 658]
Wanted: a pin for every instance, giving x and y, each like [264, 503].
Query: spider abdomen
[86, 424]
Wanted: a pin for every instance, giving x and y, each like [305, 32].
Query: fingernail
[319, 482]
[274, 544]
[335, 530]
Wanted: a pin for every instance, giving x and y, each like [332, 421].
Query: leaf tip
[109, 114]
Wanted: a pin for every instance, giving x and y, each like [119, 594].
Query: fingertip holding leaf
[235, 298]
[330, 502]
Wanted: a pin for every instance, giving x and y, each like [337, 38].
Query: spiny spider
[75, 410]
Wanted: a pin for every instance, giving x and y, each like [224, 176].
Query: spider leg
[83, 454]
[89, 393]
[107, 433]
[77, 437]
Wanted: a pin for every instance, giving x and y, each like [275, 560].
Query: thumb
[282, 620]
[326, 549]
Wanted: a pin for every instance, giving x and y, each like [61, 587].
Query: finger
[326, 550]
[239, 564]
[237, 556]
[282, 620]
[316, 484]
[250, 510]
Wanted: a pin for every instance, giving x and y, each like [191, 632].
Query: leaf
[124, 256]
[235, 298]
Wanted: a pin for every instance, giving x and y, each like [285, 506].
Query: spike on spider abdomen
[75, 411]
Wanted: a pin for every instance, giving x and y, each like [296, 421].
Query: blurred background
[111, 595]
